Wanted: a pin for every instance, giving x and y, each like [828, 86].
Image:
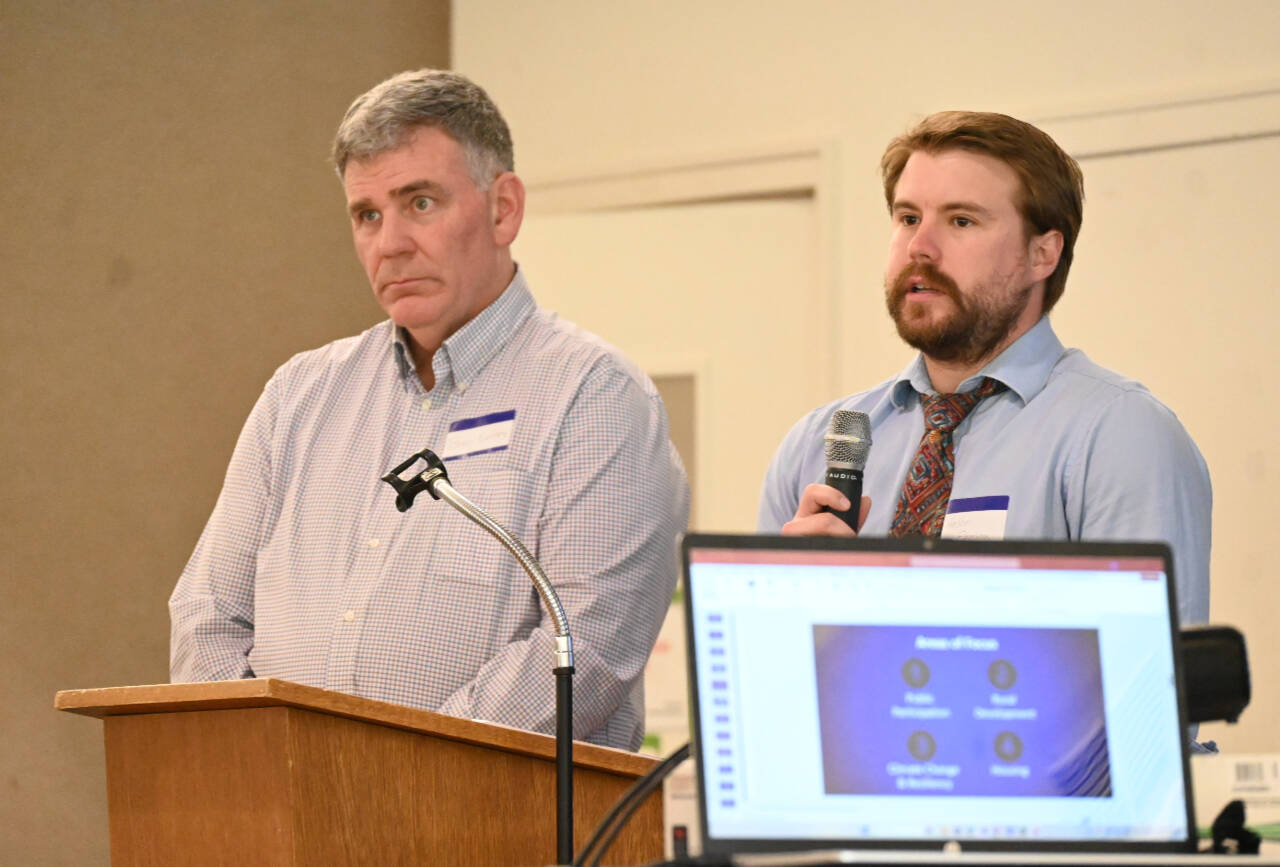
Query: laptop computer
[927, 695]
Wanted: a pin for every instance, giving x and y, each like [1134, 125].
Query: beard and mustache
[971, 333]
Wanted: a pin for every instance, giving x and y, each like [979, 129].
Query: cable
[609, 827]
[616, 820]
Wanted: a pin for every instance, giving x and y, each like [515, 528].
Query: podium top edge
[269, 692]
[117, 700]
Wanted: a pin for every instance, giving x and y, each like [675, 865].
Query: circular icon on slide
[1008, 746]
[1002, 674]
[915, 672]
[922, 746]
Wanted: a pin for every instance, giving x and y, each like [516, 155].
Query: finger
[816, 497]
[821, 524]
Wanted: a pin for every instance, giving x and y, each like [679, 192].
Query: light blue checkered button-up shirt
[307, 572]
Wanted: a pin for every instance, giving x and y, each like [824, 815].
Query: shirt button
[462, 387]
[373, 543]
[348, 616]
[426, 403]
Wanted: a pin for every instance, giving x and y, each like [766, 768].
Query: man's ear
[506, 202]
[1044, 252]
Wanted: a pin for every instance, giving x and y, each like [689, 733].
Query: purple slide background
[1064, 749]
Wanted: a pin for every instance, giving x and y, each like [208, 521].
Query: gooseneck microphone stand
[435, 481]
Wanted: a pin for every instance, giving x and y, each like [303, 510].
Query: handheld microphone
[848, 442]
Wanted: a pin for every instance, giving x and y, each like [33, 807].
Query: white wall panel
[1173, 285]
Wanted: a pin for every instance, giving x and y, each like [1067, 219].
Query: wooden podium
[266, 771]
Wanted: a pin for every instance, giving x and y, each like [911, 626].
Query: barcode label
[1250, 772]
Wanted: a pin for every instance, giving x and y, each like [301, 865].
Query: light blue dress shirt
[307, 572]
[1081, 453]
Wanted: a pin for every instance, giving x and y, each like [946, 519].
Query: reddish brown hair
[1052, 186]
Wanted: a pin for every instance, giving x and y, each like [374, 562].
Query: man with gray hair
[307, 572]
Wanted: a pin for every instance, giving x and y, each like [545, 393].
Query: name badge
[480, 435]
[976, 518]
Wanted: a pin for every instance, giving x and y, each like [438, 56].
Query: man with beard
[995, 429]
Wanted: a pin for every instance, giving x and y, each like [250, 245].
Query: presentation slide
[968, 711]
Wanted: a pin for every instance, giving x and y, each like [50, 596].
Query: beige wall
[1170, 284]
[172, 234]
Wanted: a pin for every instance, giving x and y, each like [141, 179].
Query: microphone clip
[409, 485]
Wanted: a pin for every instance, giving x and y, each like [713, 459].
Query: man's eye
[421, 203]
[368, 216]
[962, 222]
[909, 219]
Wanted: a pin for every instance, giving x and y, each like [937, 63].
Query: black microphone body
[849, 483]
[847, 444]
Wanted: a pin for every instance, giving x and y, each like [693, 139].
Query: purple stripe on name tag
[979, 504]
[480, 452]
[481, 420]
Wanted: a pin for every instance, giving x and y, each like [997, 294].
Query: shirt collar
[465, 352]
[1024, 367]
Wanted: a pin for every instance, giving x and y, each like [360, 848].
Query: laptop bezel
[921, 545]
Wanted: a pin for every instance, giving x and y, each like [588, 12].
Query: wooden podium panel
[270, 772]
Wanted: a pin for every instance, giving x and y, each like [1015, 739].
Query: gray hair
[384, 117]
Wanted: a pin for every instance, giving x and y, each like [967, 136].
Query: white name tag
[479, 435]
[976, 518]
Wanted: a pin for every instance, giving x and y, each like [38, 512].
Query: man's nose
[395, 237]
[923, 246]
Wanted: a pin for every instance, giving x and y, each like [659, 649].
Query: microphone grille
[848, 439]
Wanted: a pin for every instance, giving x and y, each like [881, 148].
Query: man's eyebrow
[422, 186]
[949, 207]
[971, 207]
[419, 186]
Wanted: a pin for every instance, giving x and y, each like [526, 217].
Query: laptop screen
[904, 692]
